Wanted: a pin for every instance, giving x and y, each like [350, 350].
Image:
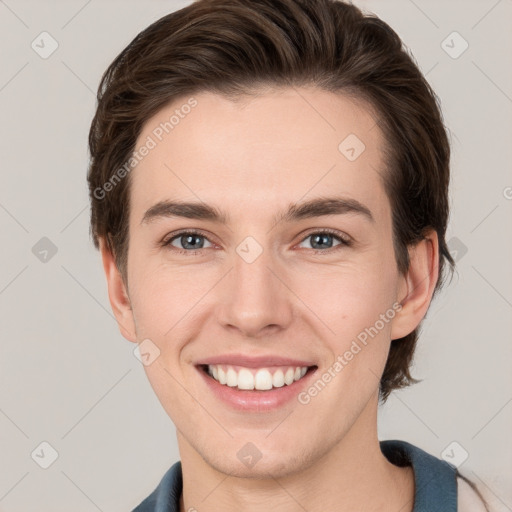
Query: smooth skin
[251, 158]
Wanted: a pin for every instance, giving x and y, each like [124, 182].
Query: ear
[416, 287]
[117, 294]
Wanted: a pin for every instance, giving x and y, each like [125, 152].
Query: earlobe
[117, 293]
[417, 285]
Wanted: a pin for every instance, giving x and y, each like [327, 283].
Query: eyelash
[344, 240]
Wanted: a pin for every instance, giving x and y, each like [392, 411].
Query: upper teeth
[252, 378]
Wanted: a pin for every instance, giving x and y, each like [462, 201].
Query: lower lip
[255, 400]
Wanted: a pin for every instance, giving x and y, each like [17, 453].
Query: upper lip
[253, 361]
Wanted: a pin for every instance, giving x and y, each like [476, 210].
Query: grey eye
[322, 240]
[189, 241]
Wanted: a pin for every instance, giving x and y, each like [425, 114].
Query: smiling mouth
[256, 379]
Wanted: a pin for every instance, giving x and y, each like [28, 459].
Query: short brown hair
[232, 47]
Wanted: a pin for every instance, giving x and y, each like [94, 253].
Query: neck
[352, 475]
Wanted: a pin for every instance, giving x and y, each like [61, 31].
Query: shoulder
[166, 496]
[436, 481]
[469, 498]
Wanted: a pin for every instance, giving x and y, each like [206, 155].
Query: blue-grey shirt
[435, 481]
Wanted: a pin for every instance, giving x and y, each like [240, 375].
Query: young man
[269, 187]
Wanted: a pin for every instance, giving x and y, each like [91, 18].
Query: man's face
[259, 294]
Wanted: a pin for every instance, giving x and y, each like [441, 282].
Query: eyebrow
[296, 211]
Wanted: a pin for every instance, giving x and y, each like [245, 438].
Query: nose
[255, 298]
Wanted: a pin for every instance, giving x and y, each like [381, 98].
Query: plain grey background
[69, 379]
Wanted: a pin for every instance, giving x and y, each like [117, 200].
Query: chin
[253, 463]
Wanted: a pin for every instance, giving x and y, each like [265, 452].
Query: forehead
[260, 151]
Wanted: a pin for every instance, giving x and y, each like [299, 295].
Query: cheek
[161, 299]
[356, 306]
[171, 304]
[349, 299]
